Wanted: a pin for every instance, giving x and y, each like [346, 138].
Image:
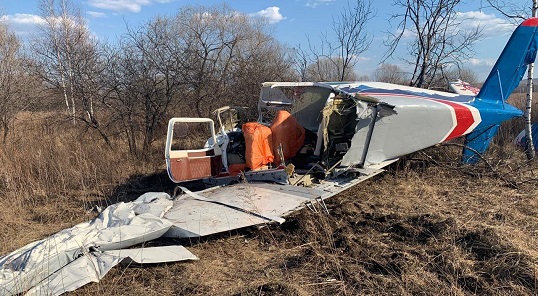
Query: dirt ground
[426, 226]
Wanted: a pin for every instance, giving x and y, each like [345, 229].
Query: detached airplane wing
[419, 118]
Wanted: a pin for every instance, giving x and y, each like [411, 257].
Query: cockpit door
[195, 162]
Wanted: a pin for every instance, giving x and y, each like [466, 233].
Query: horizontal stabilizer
[463, 88]
[521, 139]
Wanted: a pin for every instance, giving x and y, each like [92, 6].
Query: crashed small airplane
[310, 141]
[330, 129]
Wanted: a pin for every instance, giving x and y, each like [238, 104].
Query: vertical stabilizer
[505, 76]
[512, 64]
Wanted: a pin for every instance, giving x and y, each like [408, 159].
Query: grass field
[427, 226]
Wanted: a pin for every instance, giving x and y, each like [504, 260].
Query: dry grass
[53, 174]
[435, 231]
[428, 226]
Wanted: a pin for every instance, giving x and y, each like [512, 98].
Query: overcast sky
[293, 21]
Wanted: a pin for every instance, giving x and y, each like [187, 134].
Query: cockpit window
[305, 103]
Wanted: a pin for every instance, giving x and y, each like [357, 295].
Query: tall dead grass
[53, 174]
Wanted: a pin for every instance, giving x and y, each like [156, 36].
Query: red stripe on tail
[464, 119]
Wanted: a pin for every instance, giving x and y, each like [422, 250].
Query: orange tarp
[257, 144]
[288, 132]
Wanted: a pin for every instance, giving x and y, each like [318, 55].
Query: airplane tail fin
[501, 82]
[512, 63]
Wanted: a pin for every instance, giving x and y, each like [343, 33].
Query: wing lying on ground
[84, 253]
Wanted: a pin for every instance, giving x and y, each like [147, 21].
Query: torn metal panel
[85, 269]
[26, 267]
[236, 206]
[194, 218]
[266, 200]
[155, 203]
[305, 192]
[142, 228]
[92, 267]
[233, 205]
[334, 186]
[118, 226]
[153, 255]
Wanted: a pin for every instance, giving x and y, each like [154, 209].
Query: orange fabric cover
[288, 132]
[257, 144]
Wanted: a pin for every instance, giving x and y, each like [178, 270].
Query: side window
[305, 103]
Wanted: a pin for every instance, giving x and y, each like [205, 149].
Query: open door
[195, 162]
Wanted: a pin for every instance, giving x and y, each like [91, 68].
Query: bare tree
[464, 74]
[440, 41]
[257, 59]
[143, 79]
[212, 34]
[192, 63]
[69, 60]
[363, 78]
[443, 78]
[15, 82]
[390, 73]
[509, 9]
[226, 50]
[328, 69]
[301, 61]
[351, 36]
[340, 50]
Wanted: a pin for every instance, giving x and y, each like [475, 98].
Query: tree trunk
[528, 104]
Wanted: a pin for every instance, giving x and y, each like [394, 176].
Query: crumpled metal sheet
[153, 255]
[88, 268]
[84, 253]
[119, 226]
[92, 267]
[232, 207]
